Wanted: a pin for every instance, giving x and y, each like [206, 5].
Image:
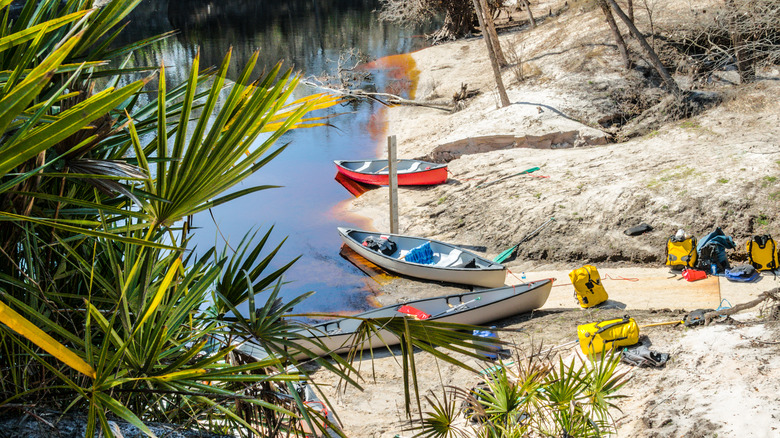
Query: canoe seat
[363, 167]
[413, 167]
[448, 260]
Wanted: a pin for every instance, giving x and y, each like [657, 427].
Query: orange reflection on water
[401, 69]
[403, 75]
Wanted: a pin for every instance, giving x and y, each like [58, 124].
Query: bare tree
[619, 41]
[671, 85]
[530, 14]
[741, 33]
[458, 15]
[491, 52]
[489, 29]
[737, 18]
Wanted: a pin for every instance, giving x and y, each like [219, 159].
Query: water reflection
[309, 35]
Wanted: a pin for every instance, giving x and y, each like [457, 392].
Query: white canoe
[474, 308]
[450, 263]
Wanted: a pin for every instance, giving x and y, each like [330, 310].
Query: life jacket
[599, 336]
[681, 254]
[763, 253]
[587, 286]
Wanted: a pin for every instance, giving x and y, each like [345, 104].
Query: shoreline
[715, 169]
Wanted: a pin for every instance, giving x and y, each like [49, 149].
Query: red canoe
[410, 172]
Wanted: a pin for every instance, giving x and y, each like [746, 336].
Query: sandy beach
[715, 169]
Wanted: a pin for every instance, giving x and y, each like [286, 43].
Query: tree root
[773, 294]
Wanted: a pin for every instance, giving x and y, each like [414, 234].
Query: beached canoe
[474, 308]
[410, 172]
[447, 263]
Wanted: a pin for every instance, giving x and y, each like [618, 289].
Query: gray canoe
[475, 308]
[450, 263]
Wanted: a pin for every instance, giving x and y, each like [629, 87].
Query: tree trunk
[621, 43]
[745, 66]
[530, 14]
[659, 67]
[457, 21]
[492, 55]
[490, 29]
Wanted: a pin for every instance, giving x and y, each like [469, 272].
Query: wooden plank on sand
[375, 272]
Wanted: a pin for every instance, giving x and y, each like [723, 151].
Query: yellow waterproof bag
[681, 254]
[762, 251]
[587, 286]
[603, 335]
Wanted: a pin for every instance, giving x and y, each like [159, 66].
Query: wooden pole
[392, 165]
[493, 61]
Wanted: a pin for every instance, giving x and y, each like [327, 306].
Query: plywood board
[634, 288]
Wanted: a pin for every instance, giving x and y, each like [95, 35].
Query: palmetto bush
[103, 310]
[533, 397]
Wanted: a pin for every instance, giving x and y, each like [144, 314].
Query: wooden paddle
[511, 252]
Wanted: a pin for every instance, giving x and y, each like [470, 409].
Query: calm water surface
[308, 35]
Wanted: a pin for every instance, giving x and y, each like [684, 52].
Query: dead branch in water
[386, 99]
[350, 78]
[773, 294]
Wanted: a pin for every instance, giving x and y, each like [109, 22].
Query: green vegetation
[536, 397]
[677, 173]
[723, 180]
[768, 181]
[105, 312]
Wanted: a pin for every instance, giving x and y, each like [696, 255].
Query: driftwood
[385, 99]
[464, 93]
[773, 294]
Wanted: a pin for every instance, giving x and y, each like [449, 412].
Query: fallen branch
[773, 294]
[385, 99]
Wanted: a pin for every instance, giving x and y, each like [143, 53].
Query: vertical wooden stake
[392, 165]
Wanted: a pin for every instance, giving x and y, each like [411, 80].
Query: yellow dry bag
[587, 286]
[681, 254]
[599, 336]
[762, 251]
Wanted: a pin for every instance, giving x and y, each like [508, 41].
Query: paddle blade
[505, 255]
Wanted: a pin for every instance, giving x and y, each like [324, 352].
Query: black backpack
[385, 246]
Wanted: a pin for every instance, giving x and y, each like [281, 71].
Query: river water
[309, 35]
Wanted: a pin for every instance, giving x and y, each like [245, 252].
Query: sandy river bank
[718, 168]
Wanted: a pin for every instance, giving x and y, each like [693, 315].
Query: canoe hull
[480, 308]
[427, 173]
[489, 274]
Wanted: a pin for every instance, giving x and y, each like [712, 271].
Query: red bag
[693, 274]
[417, 313]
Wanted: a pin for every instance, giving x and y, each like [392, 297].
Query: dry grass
[584, 62]
[743, 102]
